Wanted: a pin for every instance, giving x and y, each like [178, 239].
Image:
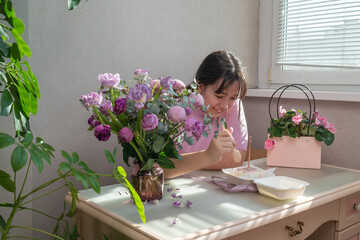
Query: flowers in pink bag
[296, 123]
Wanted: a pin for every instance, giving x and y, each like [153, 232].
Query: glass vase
[149, 184]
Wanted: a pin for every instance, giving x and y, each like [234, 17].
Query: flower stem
[43, 195]
[137, 151]
[37, 230]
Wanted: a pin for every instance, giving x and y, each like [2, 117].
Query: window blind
[319, 33]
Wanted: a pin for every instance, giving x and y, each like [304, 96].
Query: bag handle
[301, 87]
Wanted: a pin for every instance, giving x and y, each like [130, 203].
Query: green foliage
[120, 175]
[72, 4]
[285, 126]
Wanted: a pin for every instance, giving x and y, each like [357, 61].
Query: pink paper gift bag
[303, 152]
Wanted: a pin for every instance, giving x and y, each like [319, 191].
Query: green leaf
[328, 138]
[109, 157]
[37, 160]
[93, 180]
[148, 165]
[49, 147]
[18, 158]
[18, 25]
[28, 138]
[15, 52]
[2, 223]
[120, 175]
[158, 143]
[41, 154]
[6, 182]
[75, 157]
[22, 45]
[64, 166]
[72, 4]
[66, 156]
[6, 103]
[6, 140]
[165, 162]
[3, 33]
[4, 48]
[170, 151]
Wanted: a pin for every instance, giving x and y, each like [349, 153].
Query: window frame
[271, 74]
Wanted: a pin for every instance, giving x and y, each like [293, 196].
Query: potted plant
[150, 120]
[294, 137]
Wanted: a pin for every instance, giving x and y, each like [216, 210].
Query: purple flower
[105, 105]
[198, 129]
[155, 84]
[173, 195]
[125, 134]
[178, 85]
[176, 114]
[177, 204]
[199, 100]
[188, 111]
[109, 80]
[176, 220]
[165, 82]
[141, 72]
[102, 132]
[120, 105]
[189, 124]
[93, 122]
[189, 204]
[91, 100]
[149, 121]
[141, 93]
[169, 189]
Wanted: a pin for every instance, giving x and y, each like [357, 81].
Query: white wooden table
[216, 214]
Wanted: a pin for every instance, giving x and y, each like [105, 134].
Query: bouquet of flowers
[150, 119]
[295, 123]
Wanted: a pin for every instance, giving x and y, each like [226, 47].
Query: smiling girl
[221, 81]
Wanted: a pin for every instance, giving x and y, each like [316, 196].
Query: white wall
[70, 48]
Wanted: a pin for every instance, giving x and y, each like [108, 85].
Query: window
[316, 42]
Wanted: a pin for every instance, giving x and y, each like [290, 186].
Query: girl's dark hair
[222, 65]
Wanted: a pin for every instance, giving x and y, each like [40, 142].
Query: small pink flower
[297, 119]
[109, 80]
[155, 83]
[324, 122]
[178, 85]
[269, 144]
[332, 128]
[177, 114]
[317, 122]
[126, 135]
[282, 111]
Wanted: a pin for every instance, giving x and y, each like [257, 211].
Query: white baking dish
[281, 187]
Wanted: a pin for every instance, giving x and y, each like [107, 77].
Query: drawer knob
[293, 232]
[357, 206]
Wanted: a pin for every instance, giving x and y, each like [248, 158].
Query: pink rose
[109, 80]
[125, 134]
[176, 114]
[155, 83]
[297, 119]
[149, 121]
[269, 144]
[189, 123]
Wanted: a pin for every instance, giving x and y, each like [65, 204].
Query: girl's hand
[222, 144]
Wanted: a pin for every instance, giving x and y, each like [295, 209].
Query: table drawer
[348, 214]
[351, 233]
[310, 218]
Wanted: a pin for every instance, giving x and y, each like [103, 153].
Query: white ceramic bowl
[233, 177]
[281, 187]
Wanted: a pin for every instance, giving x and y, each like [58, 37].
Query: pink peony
[297, 119]
[91, 100]
[269, 144]
[109, 80]
[199, 100]
[126, 135]
[178, 85]
[149, 121]
[105, 105]
[155, 84]
[176, 114]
